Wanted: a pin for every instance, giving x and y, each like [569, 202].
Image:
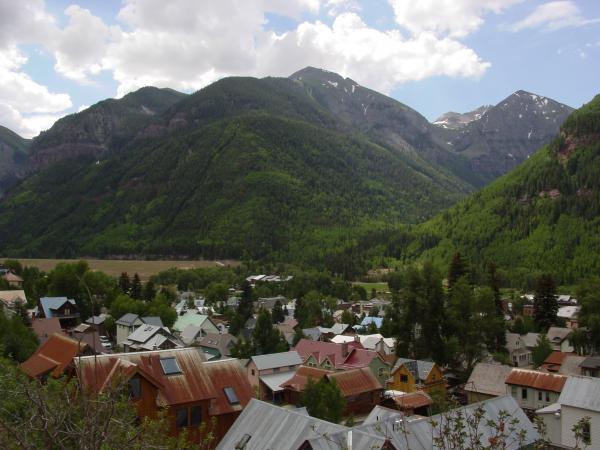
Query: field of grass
[115, 267]
[379, 287]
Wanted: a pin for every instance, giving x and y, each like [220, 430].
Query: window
[182, 418]
[135, 388]
[403, 378]
[231, 396]
[170, 366]
[195, 416]
[548, 396]
[540, 396]
[524, 394]
[514, 392]
[252, 372]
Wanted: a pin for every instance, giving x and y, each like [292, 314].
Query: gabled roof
[50, 304]
[558, 334]
[300, 379]
[196, 381]
[152, 320]
[381, 413]
[12, 277]
[9, 298]
[190, 333]
[378, 321]
[530, 339]
[265, 426]
[571, 365]
[53, 356]
[220, 342]
[44, 328]
[568, 312]
[591, 362]
[337, 328]
[418, 368]
[412, 400]
[537, 380]
[355, 382]
[581, 392]
[488, 379]
[97, 320]
[355, 357]
[128, 319]
[273, 360]
[190, 318]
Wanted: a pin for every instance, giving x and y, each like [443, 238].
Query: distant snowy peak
[454, 120]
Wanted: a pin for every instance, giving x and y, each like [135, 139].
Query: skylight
[231, 396]
[170, 366]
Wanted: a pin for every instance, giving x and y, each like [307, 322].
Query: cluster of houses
[256, 403]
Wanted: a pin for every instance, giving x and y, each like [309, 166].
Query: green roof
[189, 318]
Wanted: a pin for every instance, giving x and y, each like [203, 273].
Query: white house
[532, 389]
[580, 398]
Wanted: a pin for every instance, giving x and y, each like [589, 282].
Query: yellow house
[410, 375]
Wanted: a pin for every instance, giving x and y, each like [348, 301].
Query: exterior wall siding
[532, 402]
[570, 416]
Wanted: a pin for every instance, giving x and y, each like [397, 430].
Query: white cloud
[336, 7]
[27, 126]
[456, 18]
[80, 46]
[553, 16]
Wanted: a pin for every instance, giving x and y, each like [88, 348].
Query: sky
[58, 57]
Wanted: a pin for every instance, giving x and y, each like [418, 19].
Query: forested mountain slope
[542, 216]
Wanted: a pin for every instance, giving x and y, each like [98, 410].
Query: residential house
[13, 280]
[359, 387]
[217, 346]
[314, 333]
[197, 320]
[97, 322]
[487, 381]
[579, 398]
[194, 391]
[374, 342]
[54, 357]
[128, 323]
[590, 366]
[266, 373]
[336, 330]
[346, 356]
[88, 334]
[410, 375]
[9, 300]
[559, 339]
[44, 328]
[150, 337]
[377, 321]
[62, 307]
[518, 352]
[532, 389]
[570, 315]
[265, 426]
[268, 303]
[288, 329]
[563, 363]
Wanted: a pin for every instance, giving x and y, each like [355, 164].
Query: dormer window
[170, 366]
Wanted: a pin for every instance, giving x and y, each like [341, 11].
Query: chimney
[344, 349]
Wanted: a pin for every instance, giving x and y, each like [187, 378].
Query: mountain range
[252, 167]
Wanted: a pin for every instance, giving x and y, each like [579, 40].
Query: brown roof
[53, 356]
[44, 328]
[198, 380]
[11, 277]
[555, 358]
[537, 380]
[356, 381]
[351, 355]
[413, 400]
[300, 379]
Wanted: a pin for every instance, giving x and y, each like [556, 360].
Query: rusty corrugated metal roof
[300, 379]
[53, 356]
[413, 400]
[537, 380]
[356, 381]
[198, 380]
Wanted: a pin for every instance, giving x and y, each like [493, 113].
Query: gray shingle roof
[419, 369]
[127, 319]
[488, 379]
[581, 392]
[273, 360]
[153, 320]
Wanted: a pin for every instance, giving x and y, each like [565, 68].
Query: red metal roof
[354, 382]
[555, 358]
[198, 380]
[537, 380]
[300, 379]
[351, 355]
[413, 400]
[53, 356]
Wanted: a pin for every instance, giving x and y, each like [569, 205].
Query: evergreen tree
[124, 283]
[348, 317]
[545, 304]
[278, 314]
[149, 291]
[458, 269]
[324, 400]
[136, 287]
[541, 351]
[245, 307]
[266, 338]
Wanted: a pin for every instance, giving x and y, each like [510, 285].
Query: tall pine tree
[458, 269]
[124, 283]
[545, 304]
[136, 287]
